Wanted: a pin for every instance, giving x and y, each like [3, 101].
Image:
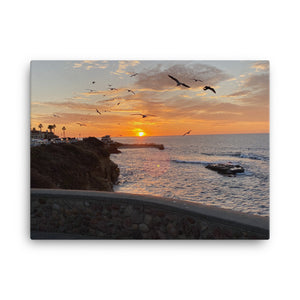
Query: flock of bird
[110, 88]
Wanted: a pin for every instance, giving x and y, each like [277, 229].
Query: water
[179, 171]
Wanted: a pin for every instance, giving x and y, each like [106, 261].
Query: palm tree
[54, 126]
[40, 127]
[64, 129]
[50, 127]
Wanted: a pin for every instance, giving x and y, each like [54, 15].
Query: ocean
[179, 171]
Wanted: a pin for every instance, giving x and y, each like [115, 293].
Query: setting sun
[141, 133]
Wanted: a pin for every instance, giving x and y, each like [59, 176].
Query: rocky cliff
[84, 165]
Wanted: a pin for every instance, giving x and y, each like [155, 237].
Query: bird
[98, 111]
[91, 90]
[188, 132]
[54, 115]
[93, 82]
[118, 103]
[178, 82]
[209, 88]
[130, 91]
[144, 116]
[81, 124]
[197, 80]
[112, 89]
[132, 75]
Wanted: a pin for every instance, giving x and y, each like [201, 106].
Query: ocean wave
[240, 155]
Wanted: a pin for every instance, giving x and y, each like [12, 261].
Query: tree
[50, 127]
[64, 129]
[40, 127]
[54, 126]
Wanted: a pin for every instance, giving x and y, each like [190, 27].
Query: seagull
[91, 90]
[112, 89]
[209, 88]
[188, 132]
[98, 111]
[197, 80]
[93, 82]
[144, 116]
[178, 82]
[54, 115]
[81, 124]
[132, 75]
[130, 91]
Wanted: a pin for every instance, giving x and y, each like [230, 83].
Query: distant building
[36, 134]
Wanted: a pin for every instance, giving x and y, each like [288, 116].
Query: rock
[84, 165]
[147, 219]
[143, 227]
[171, 229]
[128, 211]
[56, 206]
[226, 168]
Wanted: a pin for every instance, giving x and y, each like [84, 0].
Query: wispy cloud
[126, 67]
[157, 77]
[239, 93]
[261, 66]
[257, 81]
[90, 64]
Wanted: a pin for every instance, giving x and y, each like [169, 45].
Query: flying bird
[91, 90]
[197, 80]
[132, 75]
[178, 82]
[98, 111]
[81, 124]
[57, 116]
[93, 82]
[130, 91]
[144, 116]
[209, 88]
[113, 89]
[188, 132]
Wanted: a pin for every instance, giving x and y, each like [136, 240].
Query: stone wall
[69, 214]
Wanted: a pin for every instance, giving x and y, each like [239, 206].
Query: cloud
[257, 81]
[261, 66]
[90, 64]
[254, 91]
[68, 105]
[239, 93]
[124, 65]
[157, 78]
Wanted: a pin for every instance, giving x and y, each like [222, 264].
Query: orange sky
[63, 93]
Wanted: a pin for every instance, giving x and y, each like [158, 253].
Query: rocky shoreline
[115, 147]
[84, 165]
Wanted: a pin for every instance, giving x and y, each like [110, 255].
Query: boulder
[228, 169]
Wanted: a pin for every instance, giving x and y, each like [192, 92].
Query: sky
[69, 93]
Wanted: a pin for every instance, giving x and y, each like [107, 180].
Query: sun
[141, 133]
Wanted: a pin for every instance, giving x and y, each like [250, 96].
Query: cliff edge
[84, 165]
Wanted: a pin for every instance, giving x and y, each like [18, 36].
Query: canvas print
[149, 150]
